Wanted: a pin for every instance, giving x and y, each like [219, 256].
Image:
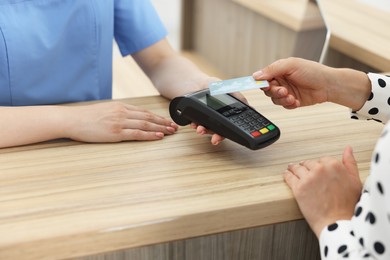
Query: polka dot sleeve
[367, 234]
[377, 106]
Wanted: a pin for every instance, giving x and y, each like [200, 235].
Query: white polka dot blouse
[367, 234]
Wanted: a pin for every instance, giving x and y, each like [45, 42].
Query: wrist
[327, 222]
[350, 88]
[67, 119]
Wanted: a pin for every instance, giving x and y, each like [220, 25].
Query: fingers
[280, 96]
[349, 161]
[296, 173]
[309, 164]
[325, 165]
[148, 126]
[298, 170]
[293, 106]
[201, 130]
[291, 179]
[289, 102]
[140, 135]
[135, 123]
[141, 114]
[275, 69]
[141, 130]
[276, 92]
[215, 138]
[142, 119]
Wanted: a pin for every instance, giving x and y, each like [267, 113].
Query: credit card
[236, 85]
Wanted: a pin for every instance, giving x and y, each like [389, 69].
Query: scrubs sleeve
[137, 25]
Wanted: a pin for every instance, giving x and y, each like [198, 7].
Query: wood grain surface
[358, 31]
[63, 199]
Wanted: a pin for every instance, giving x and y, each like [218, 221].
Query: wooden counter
[358, 31]
[66, 199]
[298, 15]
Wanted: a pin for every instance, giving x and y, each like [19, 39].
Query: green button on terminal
[271, 127]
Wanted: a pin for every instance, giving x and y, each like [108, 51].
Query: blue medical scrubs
[58, 51]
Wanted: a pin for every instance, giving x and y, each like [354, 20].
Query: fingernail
[171, 129]
[282, 92]
[290, 100]
[258, 74]
[160, 135]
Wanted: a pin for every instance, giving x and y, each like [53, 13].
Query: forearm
[32, 124]
[172, 74]
[350, 88]
[176, 75]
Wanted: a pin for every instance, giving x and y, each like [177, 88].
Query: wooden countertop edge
[160, 231]
[368, 57]
[357, 34]
[302, 18]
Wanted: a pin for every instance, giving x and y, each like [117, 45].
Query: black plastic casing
[187, 109]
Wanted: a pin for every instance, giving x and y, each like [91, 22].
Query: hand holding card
[236, 85]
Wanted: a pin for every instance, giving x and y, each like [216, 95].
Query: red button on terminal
[255, 133]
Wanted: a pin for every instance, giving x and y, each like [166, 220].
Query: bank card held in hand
[236, 85]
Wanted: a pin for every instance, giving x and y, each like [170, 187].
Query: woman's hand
[115, 122]
[326, 190]
[295, 82]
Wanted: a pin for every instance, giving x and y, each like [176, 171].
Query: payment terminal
[225, 115]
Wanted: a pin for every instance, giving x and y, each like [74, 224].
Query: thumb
[271, 71]
[350, 162]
